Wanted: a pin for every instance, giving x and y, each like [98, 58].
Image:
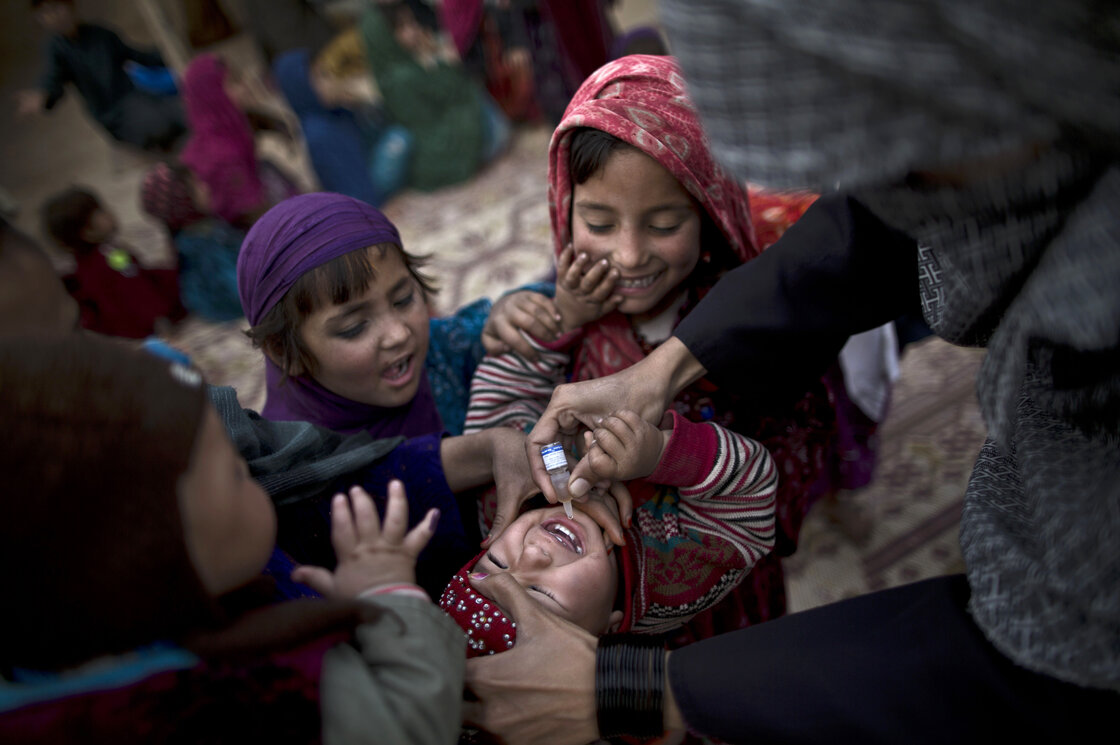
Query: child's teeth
[643, 282]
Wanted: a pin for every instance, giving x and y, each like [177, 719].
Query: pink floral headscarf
[641, 99]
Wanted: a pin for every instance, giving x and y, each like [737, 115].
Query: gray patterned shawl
[1023, 256]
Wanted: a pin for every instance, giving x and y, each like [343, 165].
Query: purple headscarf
[288, 241]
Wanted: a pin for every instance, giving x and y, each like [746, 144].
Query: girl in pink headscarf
[644, 222]
[222, 149]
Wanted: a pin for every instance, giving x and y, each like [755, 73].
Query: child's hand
[519, 311]
[513, 479]
[370, 554]
[624, 446]
[584, 293]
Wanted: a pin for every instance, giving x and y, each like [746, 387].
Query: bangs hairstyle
[332, 283]
[588, 152]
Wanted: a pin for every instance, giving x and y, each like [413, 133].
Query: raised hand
[370, 554]
[584, 290]
[521, 311]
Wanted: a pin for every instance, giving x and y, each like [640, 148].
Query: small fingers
[613, 436]
[419, 536]
[364, 514]
[607, 516]
[343, 534]
[396, 512]
[625, 502]
[574, 275]
[564, 260]
[317, 578]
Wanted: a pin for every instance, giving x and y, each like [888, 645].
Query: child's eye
[598, 229]
[542, 591]
[494, 559]
[661, 230]
[351, 331]
[405, 301]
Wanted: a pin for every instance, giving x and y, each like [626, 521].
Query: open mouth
[399, 371]
[563, 534]
[638, 283]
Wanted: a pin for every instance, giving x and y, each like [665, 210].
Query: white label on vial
[553, 455]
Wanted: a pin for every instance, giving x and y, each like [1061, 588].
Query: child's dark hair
[66, 215]
[334, 282]
[589, 149]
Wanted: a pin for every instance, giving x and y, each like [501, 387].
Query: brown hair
[66, 215]
[335, 282]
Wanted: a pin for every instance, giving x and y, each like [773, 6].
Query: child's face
[563, 564]
[100, 227]
[229, 523]
[372, 348]
[635, 214]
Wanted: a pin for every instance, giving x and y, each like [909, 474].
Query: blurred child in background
[117, 295]
[206, 244]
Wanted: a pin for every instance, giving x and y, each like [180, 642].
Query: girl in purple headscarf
[340, 310]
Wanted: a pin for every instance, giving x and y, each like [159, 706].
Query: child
[207, 245]
[117, 295]
[222, 148]
[93, 58]
[644, 222]
[352, 146]
[142, 616]
[456, 127]
[706, 517]
[340, 310]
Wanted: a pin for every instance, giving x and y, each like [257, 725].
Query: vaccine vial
[556, 463]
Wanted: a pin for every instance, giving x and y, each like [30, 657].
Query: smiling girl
[644, 222]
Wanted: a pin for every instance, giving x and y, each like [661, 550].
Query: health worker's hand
[542, 691]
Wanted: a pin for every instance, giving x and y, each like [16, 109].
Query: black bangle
[630, 685]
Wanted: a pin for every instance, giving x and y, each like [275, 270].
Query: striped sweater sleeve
[726, 483]
[508, 390]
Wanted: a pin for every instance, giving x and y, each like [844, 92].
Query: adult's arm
[906, 664]
[775, 323]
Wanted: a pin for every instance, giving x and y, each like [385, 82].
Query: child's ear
[614, 622]
[294, 370]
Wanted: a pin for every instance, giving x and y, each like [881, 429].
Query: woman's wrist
[680, 368]
[630, 683]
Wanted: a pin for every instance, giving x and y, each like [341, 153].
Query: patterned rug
[929, 442]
